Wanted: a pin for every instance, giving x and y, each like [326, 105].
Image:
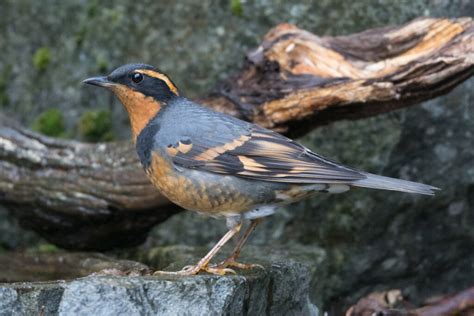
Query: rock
[282, 288]
[277, 256]
[30, 298]
[12, 235]
[8, 301]
[281, 291]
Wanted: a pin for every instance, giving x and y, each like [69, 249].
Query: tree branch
[295, 81]
[88, 196]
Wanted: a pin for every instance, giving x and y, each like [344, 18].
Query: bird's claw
[193, 270]
[234, 264]
[219, 270]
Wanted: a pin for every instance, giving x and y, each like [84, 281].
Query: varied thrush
[218, 165]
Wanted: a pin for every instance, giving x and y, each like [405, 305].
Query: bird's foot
[194, 270]
[234, 264]
[216, 270]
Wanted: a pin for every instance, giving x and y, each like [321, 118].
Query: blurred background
[365, 240]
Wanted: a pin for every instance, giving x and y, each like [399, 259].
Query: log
[295, 81]
[461, 303]
[96, 196]
[392, 303]
[77, 195]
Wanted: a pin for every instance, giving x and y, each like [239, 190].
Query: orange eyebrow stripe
[160, 76]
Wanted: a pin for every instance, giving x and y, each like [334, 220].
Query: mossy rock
[4, 99]
[42, 58]
[50, 123]
[96, 126]
[236, 7]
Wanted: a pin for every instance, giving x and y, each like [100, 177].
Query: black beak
[99, 81]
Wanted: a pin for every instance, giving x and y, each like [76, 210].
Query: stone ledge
[282, 288]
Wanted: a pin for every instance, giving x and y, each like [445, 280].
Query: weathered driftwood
[87, 196]
[296, 81]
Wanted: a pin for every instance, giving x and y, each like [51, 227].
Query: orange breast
[199, 193]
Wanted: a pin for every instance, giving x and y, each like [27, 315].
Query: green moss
[92, 8]
[4, 99]
[47, 248]
[236, 7]
[96, 126]
[5, 76]
[80, 35]
[42, 58]
[102, 64]
[50, 123]
[42, 248]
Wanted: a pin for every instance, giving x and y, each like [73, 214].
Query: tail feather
[385, 183]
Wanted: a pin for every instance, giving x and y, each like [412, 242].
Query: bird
[218, 165]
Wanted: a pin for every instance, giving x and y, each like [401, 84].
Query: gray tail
[385, 183]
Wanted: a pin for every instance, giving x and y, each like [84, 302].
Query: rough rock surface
[282, 288]
[201, 295]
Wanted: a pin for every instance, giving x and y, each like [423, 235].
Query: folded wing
[259, 154]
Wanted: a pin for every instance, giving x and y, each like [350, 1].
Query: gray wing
[218, 143]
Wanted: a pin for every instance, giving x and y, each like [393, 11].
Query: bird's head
[142, 89]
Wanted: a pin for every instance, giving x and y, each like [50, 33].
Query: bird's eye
[137, 77]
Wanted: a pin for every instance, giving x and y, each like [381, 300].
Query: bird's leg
[231, 261]
[203, 264]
